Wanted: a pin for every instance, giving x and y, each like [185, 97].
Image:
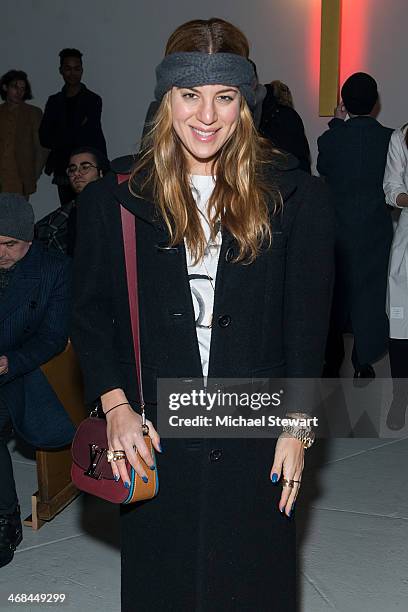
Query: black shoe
[396, 415]
[11, 534]
[363, 375]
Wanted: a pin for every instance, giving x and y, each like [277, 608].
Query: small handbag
[90, 471]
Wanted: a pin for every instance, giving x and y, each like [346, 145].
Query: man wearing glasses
[57, 231]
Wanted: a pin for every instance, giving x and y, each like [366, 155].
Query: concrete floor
[352, 528]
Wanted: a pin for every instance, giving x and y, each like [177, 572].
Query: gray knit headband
[193, 69]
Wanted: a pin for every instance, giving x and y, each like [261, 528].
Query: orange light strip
[354, 29]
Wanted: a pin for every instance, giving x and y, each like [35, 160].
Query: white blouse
[202, 288]
[395, 176]
[396, 182]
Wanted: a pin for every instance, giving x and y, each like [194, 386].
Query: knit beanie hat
[16, 217]
[359, 93]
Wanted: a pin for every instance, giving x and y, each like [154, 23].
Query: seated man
[57, 230]
[34, 314]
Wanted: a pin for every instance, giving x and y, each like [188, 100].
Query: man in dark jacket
[72, 119]
[57, 230]
[352, 157]
[34, 312]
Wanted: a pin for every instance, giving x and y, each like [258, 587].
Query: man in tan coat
[21, 156]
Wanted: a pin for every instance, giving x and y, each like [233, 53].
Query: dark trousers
[334, 355]
[8, 494]
[398, 352]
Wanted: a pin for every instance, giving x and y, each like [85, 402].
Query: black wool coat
[213, 537]
[352, 157]
[283, 126]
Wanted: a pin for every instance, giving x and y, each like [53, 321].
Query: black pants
[398, 351]
[8, 494]
[334, 355]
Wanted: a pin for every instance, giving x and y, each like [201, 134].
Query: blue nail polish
[116, 477]
[145, 479]
[290, 514]
[127, 485]
[152, 467]
[275, 477]
[292, 508]
[160, 448]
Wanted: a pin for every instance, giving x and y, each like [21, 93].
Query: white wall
[123, 40]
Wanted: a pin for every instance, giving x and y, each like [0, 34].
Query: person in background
[282, 94]
[22, 157]
[352, 157]
[57, 230]
[72, 119]
[282, 125]
[234, 243]
[34, 315]
[396, 195]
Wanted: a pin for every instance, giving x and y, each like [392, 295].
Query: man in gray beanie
[34, 313]
[16, 232]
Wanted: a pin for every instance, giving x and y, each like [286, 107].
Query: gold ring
[289, 483]
[115, 455]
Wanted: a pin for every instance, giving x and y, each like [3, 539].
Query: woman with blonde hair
[234, 258]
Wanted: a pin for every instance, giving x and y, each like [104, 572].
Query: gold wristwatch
[305, 434]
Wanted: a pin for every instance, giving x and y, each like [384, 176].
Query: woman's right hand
[124, 432]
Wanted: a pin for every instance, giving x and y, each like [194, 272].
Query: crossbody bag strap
[129, 243]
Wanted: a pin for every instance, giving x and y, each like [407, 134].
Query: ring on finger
[289, 483]
[116, 455]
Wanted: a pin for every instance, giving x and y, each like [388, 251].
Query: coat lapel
[25, 279]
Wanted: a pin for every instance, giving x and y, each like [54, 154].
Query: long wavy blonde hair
[240, 196]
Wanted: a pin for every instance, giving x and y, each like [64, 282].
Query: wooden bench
[55, 489]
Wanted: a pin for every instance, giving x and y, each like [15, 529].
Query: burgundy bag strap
[129, 243]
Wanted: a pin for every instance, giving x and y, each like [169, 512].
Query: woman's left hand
[288, 463]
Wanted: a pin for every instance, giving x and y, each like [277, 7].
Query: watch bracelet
[303, 434]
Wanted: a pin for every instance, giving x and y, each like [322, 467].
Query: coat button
[224, 320]
[215, 455]
[229, 255]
